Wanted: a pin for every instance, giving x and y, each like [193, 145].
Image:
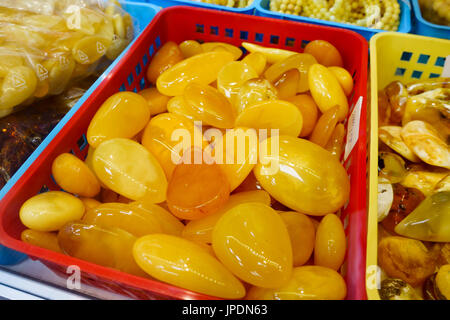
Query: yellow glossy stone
[173, 81]
[344, 77]
[252, 241]
[257, 61]
[177, 105]
[330, 247]
[254, 91]
[46, 240]
[168, 222]
[190, 48]
[90, 203]
[200, 230]
[18, 85]
[236, 153]
[287, 84]
[74, 176]
[303, 176]
[272, 114]
[185, 264]
[120, 215]
[326, 90]
[90, 49]
[210, 46]
[122, 115]
[128, 168]
[164, 137]
[157, 102]
[306, 283]
[106, 247]
[49, 211]
[300, 61]
[232, 76]
[273, 55]
[208, 105]
[302, 235]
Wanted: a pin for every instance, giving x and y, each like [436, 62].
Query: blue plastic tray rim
[404, 27]
[170, 3]
[418, 15]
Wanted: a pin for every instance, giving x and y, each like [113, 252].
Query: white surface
[33, 280]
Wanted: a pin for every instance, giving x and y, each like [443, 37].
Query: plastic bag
[46, 46]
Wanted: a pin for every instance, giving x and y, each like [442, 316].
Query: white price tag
[353, 128]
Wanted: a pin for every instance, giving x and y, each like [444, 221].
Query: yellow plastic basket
[403, 57]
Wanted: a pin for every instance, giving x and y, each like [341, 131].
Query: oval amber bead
[173, 81]
[162, 138]
[287, 84]
[309, 111]
[325, 127]
[345, 79]
[200, 230]
[254, 91]
[257, 61]
[122, 115]
[46, 240]
[326, 90]
[236, 153]
[325, 53]
[190, 48]
[197, 190]
[252, 241]
[187, 265]
[330, 247]
[49, 211]
[74, 176]
[90, 203]
[272, 114]
[166, 57]
[232, 76]
[129, 169]
[156, 101]
[168, 222]
[306, 283]
[302, 176]
[211, 46]
[119, 215]
[107, 247]
[302, 235]
[336, 143]
[208, 105]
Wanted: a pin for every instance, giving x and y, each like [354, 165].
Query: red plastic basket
[178, 24]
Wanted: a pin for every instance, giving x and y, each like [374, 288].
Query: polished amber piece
[119, 215]
[236, 153]
[200, 230]
[287, 84]
[302, 235]
[309, 110]
[164, 137]
[391, 136]
[177, 105]
[306, 283]
[157, 102]
[49, 211]
[190, 48]
[336, 142]
[302, 176]
[197, 190]
[166, 57]
[187, 265]
[326, 90]
[272, 114]
[257, 61]
[254, 91]
[330, 246]
[168, 222]
[107, 247]
[46, 240]
[173, 81]
[122, 115]
[252, 241]
[208, 105]
[325, 53]
[18, 85]
[232, 76]
[273, 55]
[129, 169]
[345, 79]
[74, 176]
[90, 203]
[325, 127]
[300, 61]
[211, 46]
[398, 97]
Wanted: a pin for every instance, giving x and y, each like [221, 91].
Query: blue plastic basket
[425, 28]
[142, 14]
[170, 3]
[263, 10]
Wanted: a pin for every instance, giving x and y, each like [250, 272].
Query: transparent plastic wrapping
[46, 46]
